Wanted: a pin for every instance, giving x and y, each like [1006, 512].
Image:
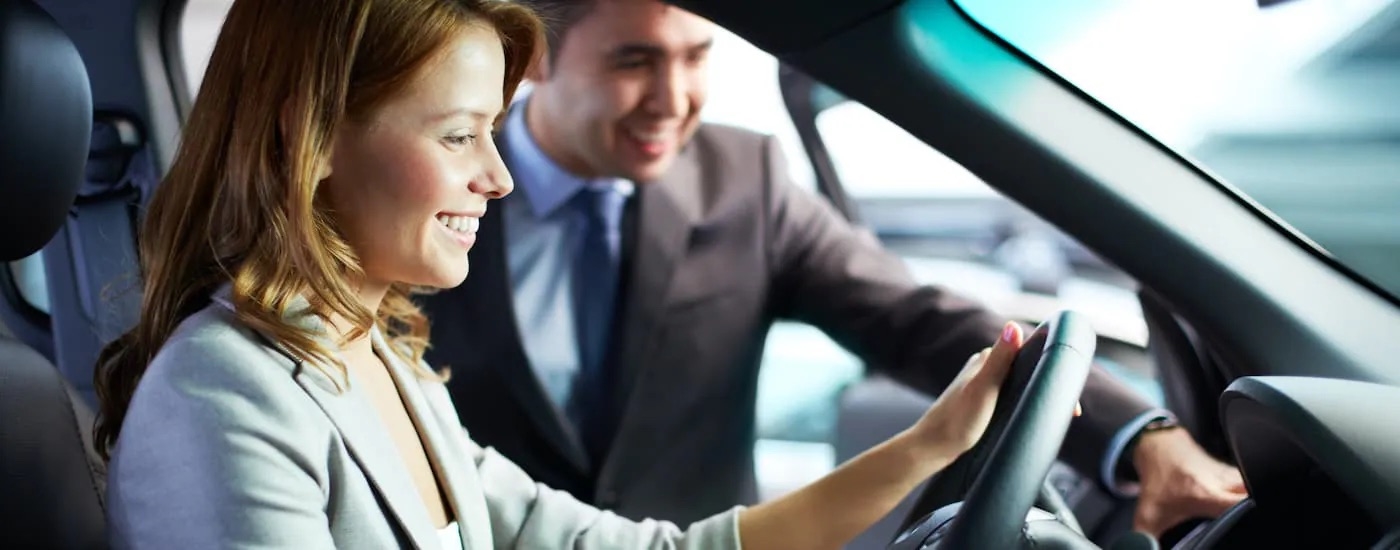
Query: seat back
[50, 480]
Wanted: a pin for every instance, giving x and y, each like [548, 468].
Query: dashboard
[1321, 459]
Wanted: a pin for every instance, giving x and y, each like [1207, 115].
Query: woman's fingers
[991, 365]
[998, 361]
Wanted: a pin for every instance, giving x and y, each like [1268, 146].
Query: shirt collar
[545, 184]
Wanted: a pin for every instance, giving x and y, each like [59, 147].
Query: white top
[450, 537]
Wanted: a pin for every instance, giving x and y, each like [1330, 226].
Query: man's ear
[540, 69]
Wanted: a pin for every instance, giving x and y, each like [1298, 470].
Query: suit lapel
[460, 483]
[669, 210]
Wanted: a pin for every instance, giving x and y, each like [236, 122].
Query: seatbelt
[92, 270]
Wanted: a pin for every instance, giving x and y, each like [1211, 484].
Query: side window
[744, 93]
[816, 405]
[24, 287]
[803, 371]
[198, 30]
[955, 231]
[28, 276]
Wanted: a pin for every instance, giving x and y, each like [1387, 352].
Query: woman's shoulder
[213, 388]
[212, 341]
[213, 359]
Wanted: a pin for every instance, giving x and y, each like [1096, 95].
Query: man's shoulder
[728, 155]
[722, 133]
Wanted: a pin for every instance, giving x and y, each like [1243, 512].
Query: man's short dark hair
[559, 16]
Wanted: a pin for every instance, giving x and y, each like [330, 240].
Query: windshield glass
[1292, 104]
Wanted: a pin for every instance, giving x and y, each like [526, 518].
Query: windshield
[1292, 105]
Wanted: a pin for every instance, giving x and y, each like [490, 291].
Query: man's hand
[1180, 481]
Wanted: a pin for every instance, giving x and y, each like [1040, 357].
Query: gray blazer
[230, 443]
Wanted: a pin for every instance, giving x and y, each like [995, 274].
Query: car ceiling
[787, 26]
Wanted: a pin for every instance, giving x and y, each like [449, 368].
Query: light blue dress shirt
[542, 237]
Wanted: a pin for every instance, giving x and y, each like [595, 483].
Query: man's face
[624, 92]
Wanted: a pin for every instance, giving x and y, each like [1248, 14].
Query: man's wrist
[1118, 452]
[1128, 461]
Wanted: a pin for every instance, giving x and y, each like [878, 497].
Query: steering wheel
[1004, 473]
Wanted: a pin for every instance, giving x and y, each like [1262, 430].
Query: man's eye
[631, 64]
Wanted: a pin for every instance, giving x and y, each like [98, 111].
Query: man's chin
[649, 171]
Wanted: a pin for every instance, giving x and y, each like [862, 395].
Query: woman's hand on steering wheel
[961, 415]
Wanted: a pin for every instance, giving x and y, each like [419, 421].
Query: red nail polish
[1009, 333]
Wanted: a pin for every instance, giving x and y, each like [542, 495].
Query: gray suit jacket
[230, 443]
[722, 246]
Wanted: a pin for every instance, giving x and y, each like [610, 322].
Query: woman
[273, 392]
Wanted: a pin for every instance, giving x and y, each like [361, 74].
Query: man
[609, 336]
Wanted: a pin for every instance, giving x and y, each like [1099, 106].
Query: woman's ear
[323, 164]
[285, 122]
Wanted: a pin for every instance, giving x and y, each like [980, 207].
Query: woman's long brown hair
[240, 202]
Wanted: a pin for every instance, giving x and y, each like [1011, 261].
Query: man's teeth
[647, 136]
[462, 224]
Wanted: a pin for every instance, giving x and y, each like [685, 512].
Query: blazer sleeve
[526, 514]
[211, 457]
[839, 278]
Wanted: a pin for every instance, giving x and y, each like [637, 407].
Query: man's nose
[670, 92]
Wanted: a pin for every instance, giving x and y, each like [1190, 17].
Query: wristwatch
[1125, 470]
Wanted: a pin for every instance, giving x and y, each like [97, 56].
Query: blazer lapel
[360, 427]
[371, 447]
[459, 481]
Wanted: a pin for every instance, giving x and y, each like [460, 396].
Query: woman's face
[408, 185]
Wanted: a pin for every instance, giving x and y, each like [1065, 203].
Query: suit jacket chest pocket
[713, 310]
[719, 271]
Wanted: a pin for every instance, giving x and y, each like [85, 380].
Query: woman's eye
[461, 140]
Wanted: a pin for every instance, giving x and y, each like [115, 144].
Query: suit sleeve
[839, 278]
[209, 458]
[527, 514]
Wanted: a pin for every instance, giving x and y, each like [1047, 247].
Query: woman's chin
[454, 277]
[440, 279]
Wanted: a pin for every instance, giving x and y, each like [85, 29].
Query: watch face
[1160, 424]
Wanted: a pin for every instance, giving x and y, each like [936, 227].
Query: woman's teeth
[460, 224]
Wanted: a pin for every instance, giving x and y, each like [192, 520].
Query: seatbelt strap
[94, 282]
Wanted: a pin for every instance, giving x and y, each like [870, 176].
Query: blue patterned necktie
[595, 293]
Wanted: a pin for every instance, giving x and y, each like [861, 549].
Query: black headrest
[45, 125]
